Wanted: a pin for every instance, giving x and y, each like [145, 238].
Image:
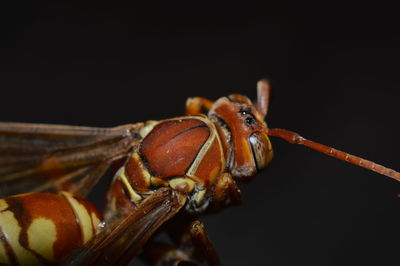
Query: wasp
[167, 173]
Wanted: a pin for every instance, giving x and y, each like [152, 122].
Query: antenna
[295, 138]
[263, 95]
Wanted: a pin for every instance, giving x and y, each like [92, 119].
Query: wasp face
[249, 145]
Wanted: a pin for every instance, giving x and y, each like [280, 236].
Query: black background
[336, 79]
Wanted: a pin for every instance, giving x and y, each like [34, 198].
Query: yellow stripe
[97, 223]
[82, 215]
[204, 149]
[145, 172]
[135, 197]
[42, 235]
[176, 182]
[147, 128]
[12, 230]
[3, 205]
[199, 196]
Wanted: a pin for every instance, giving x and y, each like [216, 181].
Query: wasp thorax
[249, 146]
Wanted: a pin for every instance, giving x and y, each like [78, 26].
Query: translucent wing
[39, 157]
[123, 237]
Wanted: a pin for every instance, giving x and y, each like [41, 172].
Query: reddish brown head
[243, 121]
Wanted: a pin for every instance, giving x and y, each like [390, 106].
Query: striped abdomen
[44, 228]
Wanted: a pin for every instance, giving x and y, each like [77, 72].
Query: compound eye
[250, 120]
[249, 117]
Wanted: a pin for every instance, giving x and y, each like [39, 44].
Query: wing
[39, 157]
[124, 237]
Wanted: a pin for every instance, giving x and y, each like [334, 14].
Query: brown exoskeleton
[186, 164]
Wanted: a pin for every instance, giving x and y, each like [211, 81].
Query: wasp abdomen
[44, 228]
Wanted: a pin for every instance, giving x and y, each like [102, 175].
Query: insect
[168, 172]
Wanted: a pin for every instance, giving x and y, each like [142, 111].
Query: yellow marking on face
[12, 230]
[96, 221]
[135, 197]
[3, 205]
[42, 235]
[181, 181]
[83, 216]
[271, 152]
[3, 254]
[199, 196]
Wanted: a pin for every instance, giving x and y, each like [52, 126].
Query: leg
[156, 253]
[226, 192]
[203, 244]
[195, 104]
[192, 246]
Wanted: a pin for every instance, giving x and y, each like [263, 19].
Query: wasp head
[245, 131]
